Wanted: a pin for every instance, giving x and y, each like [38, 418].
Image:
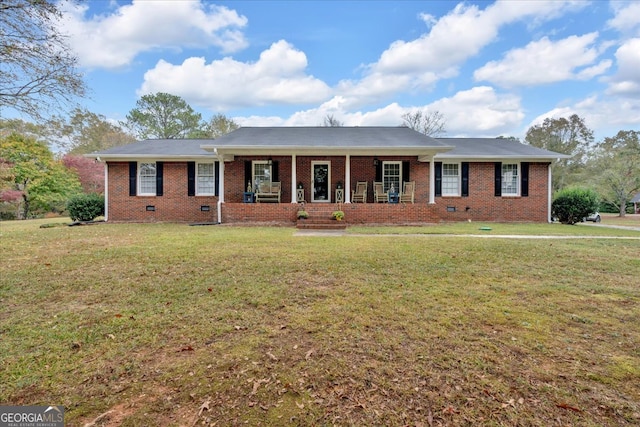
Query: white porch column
[432, 182]
[294, 178]
[220, 188]
[106, 191]
[347, 179]
[221, 181]
[549, 193]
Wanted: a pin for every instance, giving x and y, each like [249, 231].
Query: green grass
[151, 321]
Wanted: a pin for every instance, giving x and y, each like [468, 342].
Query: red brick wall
[173, 206]
[176, 206]
[483, 205]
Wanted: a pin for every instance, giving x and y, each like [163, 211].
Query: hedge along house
[262, 174]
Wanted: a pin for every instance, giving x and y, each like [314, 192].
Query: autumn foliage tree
[42, 182]
[90, 173]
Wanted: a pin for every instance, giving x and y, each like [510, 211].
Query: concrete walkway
[338, 233]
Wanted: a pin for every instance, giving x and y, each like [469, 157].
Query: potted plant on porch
[338, 215]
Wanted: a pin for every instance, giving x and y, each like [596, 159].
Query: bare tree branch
[430, 123]
[38, 72]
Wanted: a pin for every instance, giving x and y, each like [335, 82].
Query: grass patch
[182, 325]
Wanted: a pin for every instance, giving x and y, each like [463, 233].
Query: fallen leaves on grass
[569, 407]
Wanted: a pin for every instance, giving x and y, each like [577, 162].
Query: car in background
[594, 217]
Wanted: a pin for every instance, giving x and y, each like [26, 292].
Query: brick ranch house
[218, 181]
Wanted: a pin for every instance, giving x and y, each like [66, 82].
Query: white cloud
[461, 34]
[479, 111]
[626, 81]
[278, 77]
[626, 17]
[545, 61]
[114, 40]
[605, 116]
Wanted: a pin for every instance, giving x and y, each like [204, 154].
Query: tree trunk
[25, 210]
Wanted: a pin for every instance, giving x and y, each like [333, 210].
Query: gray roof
[327, 137]
[494, 148]
[158, 149]
[636, 198]
[326, 141]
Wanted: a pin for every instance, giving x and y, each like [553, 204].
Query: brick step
[312, 223]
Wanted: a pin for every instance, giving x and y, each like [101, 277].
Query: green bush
[86, 207]
[572, 205]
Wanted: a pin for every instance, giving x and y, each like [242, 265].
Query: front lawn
[164, 324]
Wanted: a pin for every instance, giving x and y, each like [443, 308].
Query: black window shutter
[274, 171]
[406, 168]
[191, 178]
[498, 178]
[465, 179]
[248, 176]
[133, 175]
[159, 178]
[216, 180]
[438, 175]
[524, 176]
[379, 171]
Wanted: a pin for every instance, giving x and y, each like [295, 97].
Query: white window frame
[457, 178]
[149, 179]
[266, 177]
[386, 179]
[206, 178]
[511, 188]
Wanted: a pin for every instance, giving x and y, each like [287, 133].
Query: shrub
[572, 205]
[86, 207]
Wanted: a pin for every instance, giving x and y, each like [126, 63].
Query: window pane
[205, 179]
[147, 178]
[450, 180]
[391, 175]
[510, 179]
[261, 174]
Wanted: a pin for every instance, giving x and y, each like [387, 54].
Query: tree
[218, 125]
[38, 68]
[616, 166]
[40, 133]
[426, 122]
[85, 132]
[90, 173]
[567, 136]
[42, 182]
[163, 116]
[331, 122]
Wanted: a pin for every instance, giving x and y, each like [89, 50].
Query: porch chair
[379, 195]
[360, 193]
[408, 192]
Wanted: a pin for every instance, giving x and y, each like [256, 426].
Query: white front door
[321, 179]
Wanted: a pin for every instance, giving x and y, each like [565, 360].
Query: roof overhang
[495, 158]
[150, 157]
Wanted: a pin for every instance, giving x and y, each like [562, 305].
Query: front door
[321, 178]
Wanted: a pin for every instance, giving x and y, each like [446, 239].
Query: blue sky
[491, 68]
